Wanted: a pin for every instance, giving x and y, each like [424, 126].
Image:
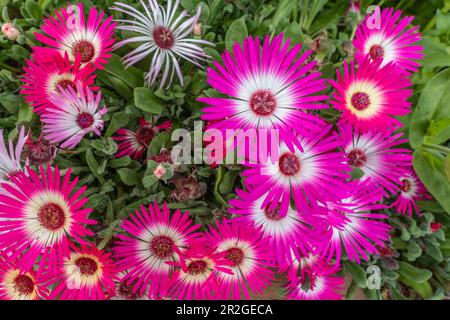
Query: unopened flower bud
[11, 32]
[197, 29]
[160, 171]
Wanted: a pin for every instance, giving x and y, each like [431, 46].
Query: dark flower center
[263, 103]
[360, 101]
[85, 49]
[235, 255]
[87, 266]
[289, 164]
[24, 284]
[64, 84]
[144, 135]
[85, 120]
[161, 246]
[357, 158]
[405, 185]
[51, 216]
[376, 52]
[163, 37]
[197, 267]
[125, 289]
[272, 214]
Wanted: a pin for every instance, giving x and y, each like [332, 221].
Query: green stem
[7, 67]
[437, 147]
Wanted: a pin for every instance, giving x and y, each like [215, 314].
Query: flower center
[376, 52]
[126, 290]
[263, 103]
[40, 152]
[162, 247]
[85, 120]
[163, 37]
[85, 49]
[289, 164]
[144, 135]
[357, 158]
[64, 84]
[51, 216]
[272, 214]
[197, 267]
[406, 185]
[360, 101]
[235, 255]
[87, 266]
[24, 284]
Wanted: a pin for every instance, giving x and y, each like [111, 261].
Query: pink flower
[284, 233]
[42, 79]
[310, 176]
[266, 87]
[134, 144]
[377, 154]
[409, 190]
[42, 210]
[10, 156]
[371, 96]
[198, 271]
[393, 42]
[87, 274]
[10, 31]
[18, 283]
[323, 285]
[153, 238]
[70, 33]
[78, 113]
[354, 225]
[249, 256]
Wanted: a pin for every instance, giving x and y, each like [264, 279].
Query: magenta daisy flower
[87, 274]
[284, 233]
[324, 285]
[126, 289]
[10, 155]
[42, 211]
[42, 79]
[134, 144]
[267, 86]
[377, 155]
[17, 283]
[394, 41]
[70, 33]
[154, 238]
[371, 96]
[198, 271]
[249, 255]
[308, 176]
[353, 226]
[409, 190]
[78, 113]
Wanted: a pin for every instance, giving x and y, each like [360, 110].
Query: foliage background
[417, 262]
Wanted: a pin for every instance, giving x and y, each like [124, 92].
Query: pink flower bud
[10, 31]
[160, 171]
[197, 29]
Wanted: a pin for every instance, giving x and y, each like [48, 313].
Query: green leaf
[227, 184]
[433, 105]
[118, 120]
[145, 100]
[433, 249]
[413, 251]
[120, 162]
[433, 178]
[236, 33]
[447, 167]
[132, 76]
[160, 141]
[414, 274]
[149, 181]
[34, 9]
[357, 272]
[439, 131]
[128, 176]
[284, 9]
